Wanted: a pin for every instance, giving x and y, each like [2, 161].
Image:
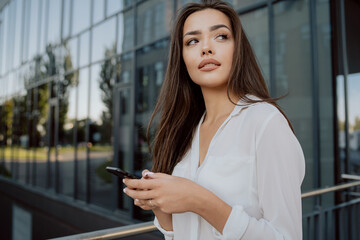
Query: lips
[208, 64]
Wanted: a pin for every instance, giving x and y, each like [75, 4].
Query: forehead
[202, 20]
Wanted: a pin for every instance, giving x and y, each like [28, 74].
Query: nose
[207, 52]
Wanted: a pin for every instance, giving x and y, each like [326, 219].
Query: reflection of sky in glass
[114, 6]
[98, 11]
[83, 90]
[66, 19]
[103, 38]
[81, 15]
[54, 21]
[84, 48]
[353, 97]
[18, 35]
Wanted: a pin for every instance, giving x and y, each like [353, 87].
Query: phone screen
[121, 173]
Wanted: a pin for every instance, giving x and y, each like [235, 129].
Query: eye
[222, 36]
[191, 42]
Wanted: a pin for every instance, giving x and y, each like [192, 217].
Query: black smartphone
[121, 173]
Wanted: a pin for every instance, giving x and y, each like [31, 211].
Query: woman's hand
[161, 191]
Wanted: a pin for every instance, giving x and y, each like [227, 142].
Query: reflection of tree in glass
[106, 84]
[356, 123]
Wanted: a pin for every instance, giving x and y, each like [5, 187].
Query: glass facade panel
[255, 25]
[81, 15]
[71, 54]
[34, 28]
[239, 4]
[128, 38]
[25, 29]
[293, 75]
[354, 123]
[19, 138]
[4, 40]
[98, 11]
[104, 47]
[152, 20]
[18, 17]
[41, 111]
[9, 21]
[54, 22]
[66, 19]
[114, 6]
[326, 112]
[82, 116]
[67, 118]
[43, 25]
[124, 141]
[100, 134]
[84, 49]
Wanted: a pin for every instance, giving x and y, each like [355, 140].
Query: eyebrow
[212, 28]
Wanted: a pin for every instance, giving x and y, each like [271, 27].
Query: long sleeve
[280, 170]
[168, 235]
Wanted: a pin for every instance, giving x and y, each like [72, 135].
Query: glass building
[79, 80]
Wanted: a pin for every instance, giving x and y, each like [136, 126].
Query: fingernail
[124, 190]
[136, 200]
[148, 173]
[123, 180]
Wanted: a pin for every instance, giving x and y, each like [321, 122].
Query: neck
[217, 103]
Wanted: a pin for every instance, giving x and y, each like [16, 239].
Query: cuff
[169, 235]
[235, 225]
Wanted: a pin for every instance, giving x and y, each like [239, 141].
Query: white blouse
[256, 165]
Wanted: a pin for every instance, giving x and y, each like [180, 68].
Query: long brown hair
[180, 103]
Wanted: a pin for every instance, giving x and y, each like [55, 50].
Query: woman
[226, 164]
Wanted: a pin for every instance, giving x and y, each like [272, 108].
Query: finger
[142, 204]
[153, 175]
[148, 174]
[136, 194]
[138, 183]
[144, 171]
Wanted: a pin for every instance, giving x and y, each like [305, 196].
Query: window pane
[325, 93]
[101, 125]
[293, 75]
[103, 44]
[1, 40]
[54, 22]
[238, 4]
[114, 6]
[41, 114]
[81, 15]
[150, 71]
[67, 118]
[126, 31]
[84, 48]
[66, 19]
[255, 25]
[19, 138]
[98, 10]
[71, 54]
[18, 33]
[124, 133]
[354, 123]
[34, 28]
[152, 20]
[7, 111]
[82, 114]
[43, 25]
[124, 72]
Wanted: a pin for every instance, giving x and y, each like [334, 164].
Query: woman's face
[208, 47]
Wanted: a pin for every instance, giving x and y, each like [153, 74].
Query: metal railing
[318, 217]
